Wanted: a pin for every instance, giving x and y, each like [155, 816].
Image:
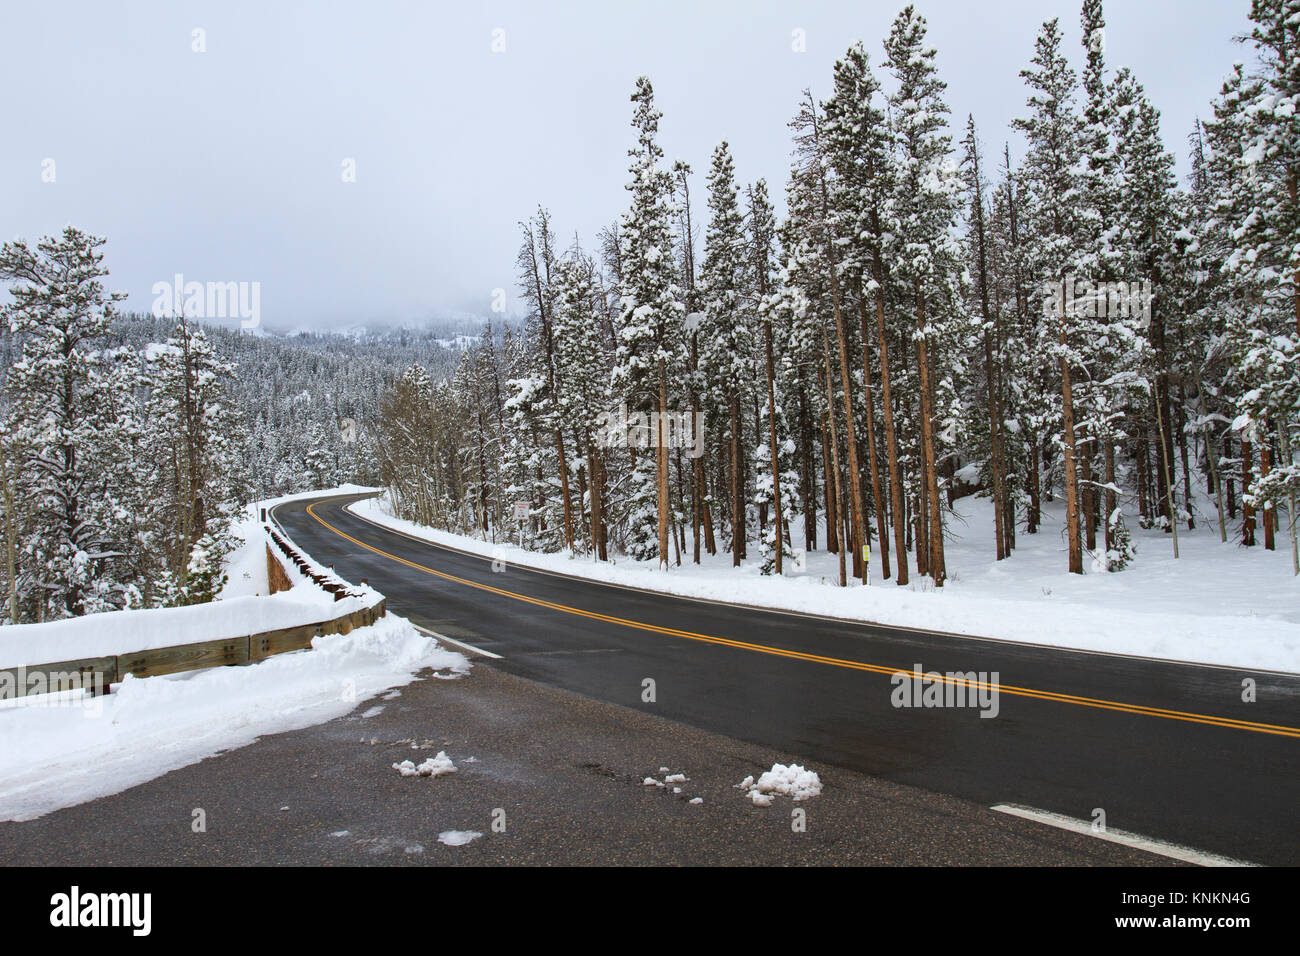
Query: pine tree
[649, 324]
[196, 430]
[727, 335]
[59, 308]
[1053, 200]
[922, 218]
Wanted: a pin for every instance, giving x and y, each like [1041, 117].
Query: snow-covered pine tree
[776, 478]
[582, 363]
[195, 433]
[1265, 338]
[988, 428]
[1052, 201]
[859, 147]
[922, 218]
[1138, 347]
[727, 339]
[650, 336]
[59, 308]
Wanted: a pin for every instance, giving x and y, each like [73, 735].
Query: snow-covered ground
[246, 565]
[59, 756]
[1217, 604]
[58, 750]
[245, 607]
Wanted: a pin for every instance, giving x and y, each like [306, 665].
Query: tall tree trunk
[834, 445]
[1212, 460]
[876, 496]
[828, 488]
[891, 437]
[779, 536]
[1247, 512]
[930, 473]
[1071, 476]
[851, 445]
[1181, 431]
[1035, 513]
[661, 468]
[1265, 466]
[737, 484]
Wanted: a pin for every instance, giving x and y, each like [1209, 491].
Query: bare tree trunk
[1035, 514]
[661, 468]
[1071, 476]
[876, 496]
[1247, 512]
[828, 486]
[11, 541]
[1265, 466]
[930, 473]
[1168, 477]
[1212, 460]
[834, 445]
[737, 485]
[779, 536]
[851, 444]
[891, 437]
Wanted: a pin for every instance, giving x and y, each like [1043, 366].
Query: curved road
[1167, 750]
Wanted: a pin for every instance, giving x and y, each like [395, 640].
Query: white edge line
[451, 640]
[1133, 840]
[790, 612]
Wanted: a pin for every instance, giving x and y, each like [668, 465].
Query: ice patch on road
[458, 837]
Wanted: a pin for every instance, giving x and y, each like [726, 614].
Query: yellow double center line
[1139, 709]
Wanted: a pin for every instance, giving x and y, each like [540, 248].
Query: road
[1167, 750]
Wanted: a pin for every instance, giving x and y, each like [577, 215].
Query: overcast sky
[227, 164]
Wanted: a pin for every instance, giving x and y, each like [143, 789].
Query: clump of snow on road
[433, 767]
[60, 756]
[792, 781]
[696, 800]
[458, 837]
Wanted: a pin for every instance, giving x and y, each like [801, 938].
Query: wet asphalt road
[562, 776]
[1223, 789]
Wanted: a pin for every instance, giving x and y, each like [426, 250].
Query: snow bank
[54, 757]
[123, 632]
[245, 607]
[1216, 604]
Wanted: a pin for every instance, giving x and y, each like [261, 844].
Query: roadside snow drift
[57, 753]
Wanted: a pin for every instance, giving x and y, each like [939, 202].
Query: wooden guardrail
[95, 674]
